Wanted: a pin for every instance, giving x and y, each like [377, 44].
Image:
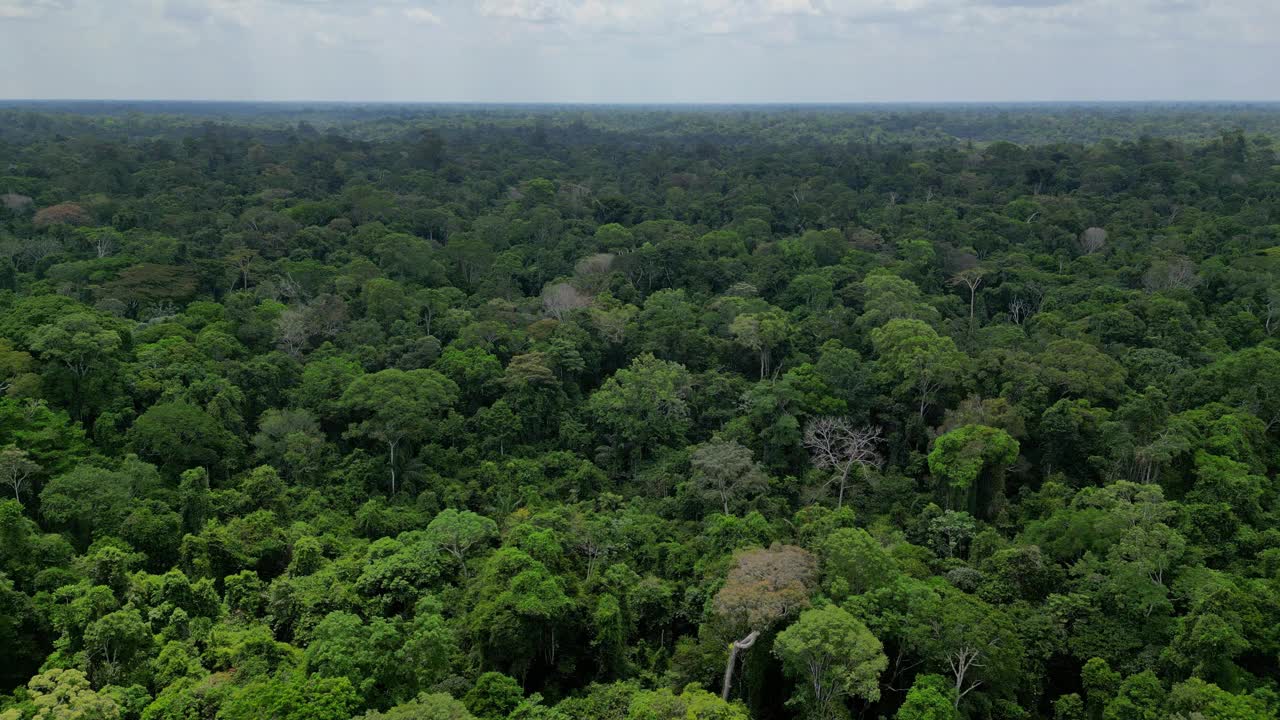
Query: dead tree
[835, 444]
[1093, 240]
[561, 298]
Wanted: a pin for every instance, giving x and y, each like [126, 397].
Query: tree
[91, 500]
[427, 706]
[836, 445]
[115, 644]
[854, 562]
[834, 656]
[761, 332]
[889, 297]
[763, 587]
[342, 645]
[518, 607]
[493, 696]
[643, 405]
[916, 360]
[67, 213]
[1092, 240]
[970, 278]
[930, 698]
[16, 468]
[562, 298]
[430, 644]
[724, 472]
[1249, 379]
[693, 703]
[1142, 562]
[290, 440]
[179, 436]
[66, 695]
[292, 697]
[971, 453]
[81, 342]
[16, 376]
[457, 532]
[394, 406]
[1197, 698]
[973, 641]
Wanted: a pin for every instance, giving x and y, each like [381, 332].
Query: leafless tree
[37, 249]
[1035, 294]
[15, 202]
[598, 263]
[1092, 240]
[290, 288]
[561, 298]
[837, 445]
[291, 331]
[1019, 310]
[326, 315]
[1272, 319]
[1172, 273]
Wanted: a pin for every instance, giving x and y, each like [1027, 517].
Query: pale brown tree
[66, 213]
[764, 586]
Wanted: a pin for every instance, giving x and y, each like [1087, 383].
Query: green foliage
[518, 413]
[832, 655]
[930, 698]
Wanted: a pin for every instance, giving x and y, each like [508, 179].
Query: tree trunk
[392, 446]
[743, 644]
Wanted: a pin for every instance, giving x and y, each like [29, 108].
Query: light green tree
[65, 695]
[971, 461]
[833, 656]
[457, 532]
[930, 698]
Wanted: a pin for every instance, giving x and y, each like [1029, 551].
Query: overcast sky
[641, 50]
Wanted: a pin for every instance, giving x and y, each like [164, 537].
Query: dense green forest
[556, 413]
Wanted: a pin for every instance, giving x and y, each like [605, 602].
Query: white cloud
[536, 11]
[20, 9]
[641, 50]
[422, 15]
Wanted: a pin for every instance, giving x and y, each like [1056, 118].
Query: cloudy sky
[641, 50]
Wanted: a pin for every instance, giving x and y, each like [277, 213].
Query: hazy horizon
[646, 52]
